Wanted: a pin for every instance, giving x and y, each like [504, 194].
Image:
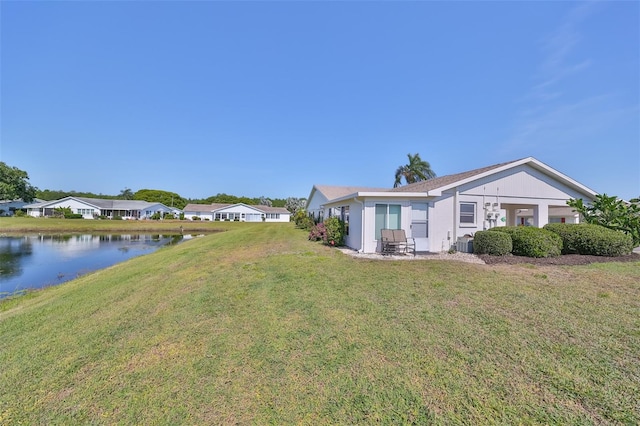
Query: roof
[442, 181]
[204, 208]
[118, 204]
[435, 186]
[269, 209]
[103, 204]
[331, 192]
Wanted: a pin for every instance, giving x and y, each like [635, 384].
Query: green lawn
[257, 325]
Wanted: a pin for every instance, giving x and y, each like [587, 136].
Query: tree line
[14, 185]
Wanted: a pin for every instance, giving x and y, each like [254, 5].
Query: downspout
[455, 217]
[361, 224]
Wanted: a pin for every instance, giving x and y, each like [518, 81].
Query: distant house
[91, 208]
[8, 207]
[236, 212]
[438, 211]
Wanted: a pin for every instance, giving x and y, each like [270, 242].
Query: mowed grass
[257, 325]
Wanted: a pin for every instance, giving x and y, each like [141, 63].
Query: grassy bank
[14, 225]
[259, 326]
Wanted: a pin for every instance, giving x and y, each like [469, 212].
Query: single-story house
[91, 208]
[8, 207]
[236, 212]
[438, 211]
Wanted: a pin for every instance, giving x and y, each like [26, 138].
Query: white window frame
[473, 223]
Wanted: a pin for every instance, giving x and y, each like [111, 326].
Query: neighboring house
[436, 212]
[91, 208]
[237, 212]
[8, 207]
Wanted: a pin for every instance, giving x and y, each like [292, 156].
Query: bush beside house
[532, 242]
[588, 239]
[493, 243]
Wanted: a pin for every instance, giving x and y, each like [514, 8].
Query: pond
[36, 261]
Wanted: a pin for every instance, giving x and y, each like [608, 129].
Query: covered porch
[538, 215]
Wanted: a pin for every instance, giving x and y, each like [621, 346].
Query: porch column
[511, 216]
[540, 215]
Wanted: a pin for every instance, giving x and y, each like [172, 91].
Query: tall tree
[264, 201]
[415, 171]
[169, 199]
[126, 194]
[294, 204]
[14, 184]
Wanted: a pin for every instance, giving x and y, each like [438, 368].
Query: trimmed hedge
[493, 243]
[592, 240]
[532, 242]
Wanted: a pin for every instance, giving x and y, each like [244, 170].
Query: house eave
[386, 195]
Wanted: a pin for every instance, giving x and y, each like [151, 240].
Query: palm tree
[415, 171]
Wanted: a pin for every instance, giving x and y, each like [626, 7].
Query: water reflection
[11, 250]
[37, 261]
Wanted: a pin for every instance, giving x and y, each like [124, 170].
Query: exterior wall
[33, 212]
[202, 215]
[442, 223]
[353, 239]
[282, 217]
[88, 211]
[315, 202]
[521, 187]
[370, 244]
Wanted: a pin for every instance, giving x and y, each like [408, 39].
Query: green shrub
[19, 213]
[493, 243]
[73, 216]
[335, 231]
[568, 233]
[117, 218]
[196, 218]
[303, 220]
[593, 240]
[532, 242]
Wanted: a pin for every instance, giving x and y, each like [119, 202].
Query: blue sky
[268, 98]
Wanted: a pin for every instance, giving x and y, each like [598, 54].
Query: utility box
[465, 244]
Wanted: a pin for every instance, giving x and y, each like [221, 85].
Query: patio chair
[389, 245]
[404, 244]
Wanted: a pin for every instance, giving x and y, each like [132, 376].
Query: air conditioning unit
[464, 244]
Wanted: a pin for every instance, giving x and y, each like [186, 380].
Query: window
[467, 213]
[387, 217]
[344, 216]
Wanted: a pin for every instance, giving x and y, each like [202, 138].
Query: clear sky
[268, 98]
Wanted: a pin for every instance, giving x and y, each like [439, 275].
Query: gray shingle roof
[439, 182]
[118, 204]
